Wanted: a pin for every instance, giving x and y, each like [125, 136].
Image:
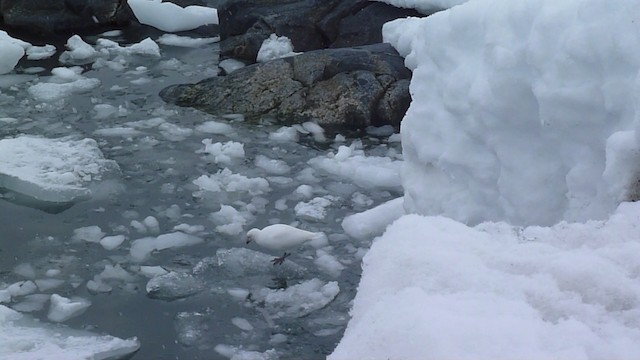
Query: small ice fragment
[172, 286]
[214, 127]
[88, 233]
[313, 210]
[152, 224]
[152, 271]
[328, 263]
[272, 166]
[231, 65]
[170, 17]
[316, 131]
[242, 324]
[275, 47]
[63, 309]
[112, 242]
[48, 284]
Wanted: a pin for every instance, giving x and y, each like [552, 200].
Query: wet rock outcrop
[310, 24]
[47, 17]
[346, 87]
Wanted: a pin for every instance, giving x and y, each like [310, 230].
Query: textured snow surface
[434, 288]
[523, 111]
[55, 170]
[25, 339]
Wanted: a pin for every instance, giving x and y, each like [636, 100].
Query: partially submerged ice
[52, 170]
[26, 339]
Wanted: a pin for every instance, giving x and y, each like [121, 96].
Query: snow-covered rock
[424, 6]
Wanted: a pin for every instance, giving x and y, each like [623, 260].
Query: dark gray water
[158, 166]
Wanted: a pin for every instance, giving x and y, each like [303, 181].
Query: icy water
[158, 163]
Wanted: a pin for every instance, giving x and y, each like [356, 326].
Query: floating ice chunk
[52, 170]
[235, 353]
[223, 153]
[118, 131]
[364, 171]
[40, 52]
[246, 262]
[17, 289]
[116, 272]
[152, 224]
[88, 233]
[214, 127]
[78, 51]
[112, 242]
[9, 56]
[231, 65]
[373, 222]
[328, 263]
[226, 181]
[141, 248]
[48, 284]
[152, 271]
[361, 200]
[63, 309]
[242, 324]
[315, 130]
[189, 229]
[4, 36]
[298, 300]
[229, 220]
[315, 209]
[185, 41]
[285, 133]
[191, 327]
[172, 286]
[51, 91]
[26, 339]
[275, 47]
[272, 166]
[146, 47]
[31, 303]
[96, 285]
[170, 17]
[174, 132]
[305, 191]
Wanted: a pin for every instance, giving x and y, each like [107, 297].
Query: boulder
[310, 24]
[46, 17]
[346, 87]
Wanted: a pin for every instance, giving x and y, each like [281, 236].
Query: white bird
[279, 237]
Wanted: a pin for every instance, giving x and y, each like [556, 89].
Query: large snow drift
[523, 111]
[433, 288]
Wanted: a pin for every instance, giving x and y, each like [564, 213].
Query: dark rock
[310, 24]
[348, 87]
[55, 16]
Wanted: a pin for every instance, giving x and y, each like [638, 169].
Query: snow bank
[434, 288]
[170, 17]
[424, 6]
[26, 339]
[523, 111]
[52, 170]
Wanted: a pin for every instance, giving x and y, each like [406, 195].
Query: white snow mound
[434, 288]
